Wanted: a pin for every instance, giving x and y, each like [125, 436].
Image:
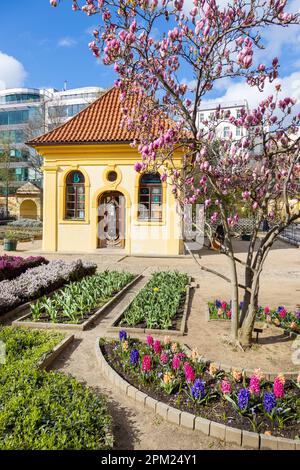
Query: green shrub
[42, 410]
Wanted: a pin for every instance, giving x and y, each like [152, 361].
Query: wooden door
[111, 220]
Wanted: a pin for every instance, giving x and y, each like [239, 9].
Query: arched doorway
[28, 209]
[111, 220]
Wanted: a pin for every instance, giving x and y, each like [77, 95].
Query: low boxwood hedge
[42, 410]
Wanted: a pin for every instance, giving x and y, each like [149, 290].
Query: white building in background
[25, 110]
[225, 129]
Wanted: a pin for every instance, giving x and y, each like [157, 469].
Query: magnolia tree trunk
[234, 300]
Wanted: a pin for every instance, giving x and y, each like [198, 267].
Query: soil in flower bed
[78, 301]
[217, 408]
[160, 304]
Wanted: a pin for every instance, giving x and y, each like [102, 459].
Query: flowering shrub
[192, 385]
[158, 302]
[12, 266]
[41, 280]
[221, 310]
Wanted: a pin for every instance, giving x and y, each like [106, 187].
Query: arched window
[150, 197]
[75, 196]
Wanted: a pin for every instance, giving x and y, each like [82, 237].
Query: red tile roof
[99, 122]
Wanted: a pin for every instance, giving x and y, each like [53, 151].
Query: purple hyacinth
[197, 390]
[134, 356]
[297, 314]
[269, 401]
[243, 398]
[218, 303]
[122, 335]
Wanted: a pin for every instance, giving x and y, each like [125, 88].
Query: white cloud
[189, 4]
[238, 91]
[12, 72]
[67, 42]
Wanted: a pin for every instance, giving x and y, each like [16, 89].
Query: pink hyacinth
[254, 384]
[146, 363]
[225, 386]
[157, 346]
[189, 372]
[282, 313]
[278, 388]
[176, 362]
[224, 305]
[228, 314]
[149, 340]
[267, 310]
[164, 358]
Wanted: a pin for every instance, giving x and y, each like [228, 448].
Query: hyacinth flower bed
[281, 317]
[77, 301]
[159, 304]
[13, 266]
[163, 370]
[46, 410]
[41, 280]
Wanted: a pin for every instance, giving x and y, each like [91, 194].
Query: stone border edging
[55, 352]
[113, 328]
[73, 326]
[246, 439]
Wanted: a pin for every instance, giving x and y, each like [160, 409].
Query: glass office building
[24, 113]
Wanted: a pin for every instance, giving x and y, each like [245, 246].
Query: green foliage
[158, 302]
[46, 411]
[73, 302]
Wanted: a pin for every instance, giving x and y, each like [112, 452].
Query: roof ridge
[32, 141]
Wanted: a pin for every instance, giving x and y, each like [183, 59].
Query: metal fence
[291, 234]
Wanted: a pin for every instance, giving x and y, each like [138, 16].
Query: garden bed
[39, 281]
[289, 322]
[164, 372]
[46, 410]
[161, 306]
[80, 303]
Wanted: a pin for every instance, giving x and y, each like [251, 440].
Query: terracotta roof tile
[99, 122]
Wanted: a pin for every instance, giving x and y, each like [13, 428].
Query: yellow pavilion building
[93, 198]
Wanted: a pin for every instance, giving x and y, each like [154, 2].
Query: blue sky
[51, 45]
[42, 46]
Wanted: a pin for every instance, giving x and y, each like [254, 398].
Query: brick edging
[228, 434]
[73, 326]
[46, 362]
[113, 328]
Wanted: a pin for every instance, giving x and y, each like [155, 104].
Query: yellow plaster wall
[95, 160]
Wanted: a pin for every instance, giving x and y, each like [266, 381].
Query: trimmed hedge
[46, 411]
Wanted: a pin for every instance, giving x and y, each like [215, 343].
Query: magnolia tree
[150, 43]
